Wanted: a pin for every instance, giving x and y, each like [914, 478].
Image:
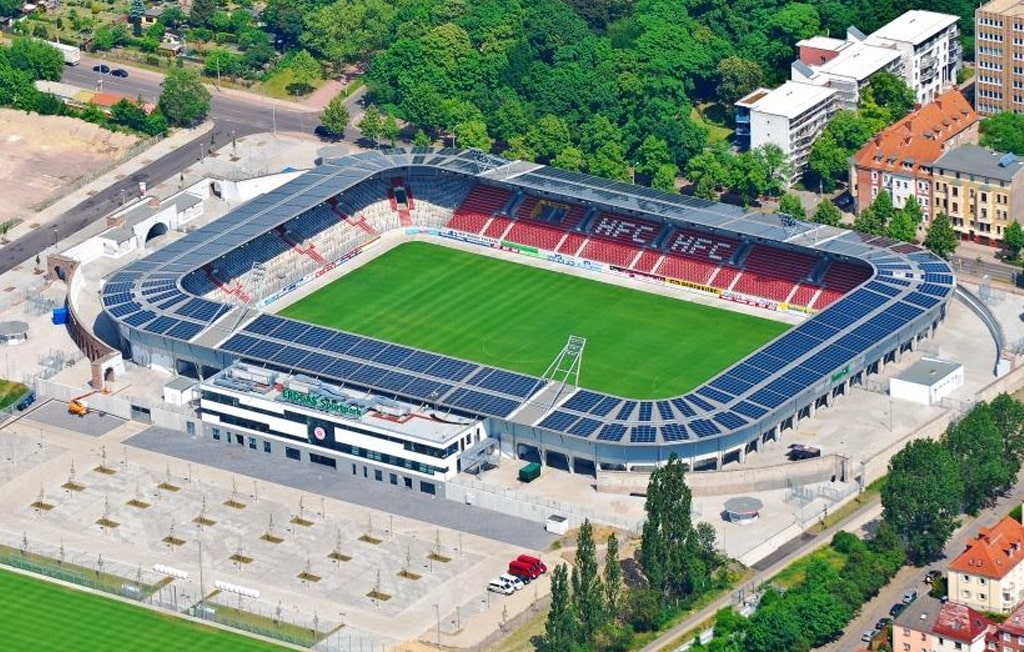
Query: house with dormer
[988, 575]
[931, 625]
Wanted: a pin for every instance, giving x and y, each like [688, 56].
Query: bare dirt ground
[46, 154]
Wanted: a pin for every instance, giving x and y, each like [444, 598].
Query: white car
[499, 586]
[517, 584]
[867, 637]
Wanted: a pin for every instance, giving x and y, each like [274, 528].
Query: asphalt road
[234, 114]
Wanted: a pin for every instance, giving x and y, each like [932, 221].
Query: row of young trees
[930, 483]
[818, 609]
[595, 610]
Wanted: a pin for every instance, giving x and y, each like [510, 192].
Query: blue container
[60, 316]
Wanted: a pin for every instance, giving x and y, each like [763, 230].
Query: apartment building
[790, 116]
[929, 43]
[999, 56]
[929, 625]
[846, 66]
[896, 159]
[988, 574]
[1008, 636]
[981, 191]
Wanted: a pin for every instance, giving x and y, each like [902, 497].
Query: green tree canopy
[473, 133]
[35, 58]
[941, 239]
[790, 204]
[587, 592]
[336, 116]
[184, 101]
[976, 444]
[1004, 132]
[922, 497]
[560, 631]
[891, 93]
[827, 213]
[737, 77]
[1013, 239]
[903, 225]
[372, 124]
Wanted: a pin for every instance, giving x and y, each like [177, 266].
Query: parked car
[498, 586]
[119, 72]
[882, 624]
[523, 571]
[896, 609]
[28, 400]
[932, 576]
[535, 562]
[868, 636]
[516, 583]
[910, 596]
[101, 68]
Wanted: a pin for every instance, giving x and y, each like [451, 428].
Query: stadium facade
[203, 304]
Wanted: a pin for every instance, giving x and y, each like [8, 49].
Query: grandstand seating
[724, 277]
[496, 227]
[843, 277]
[702, 246]
[647, 261]
[525, 210]
[478, 207]
[625, 229]
[609, 251]
[803, 294]
[686, 269]
[535, 235]
[773, 273]
[571, 244]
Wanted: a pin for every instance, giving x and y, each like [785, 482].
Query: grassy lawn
[9, 392]
[38, 615]
[794, 573]
[276, 84]
[518, 317]
[718, 132]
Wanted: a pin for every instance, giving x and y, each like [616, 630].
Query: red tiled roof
[1014, 623]
[960, 623]
[994, 552]
[918, 138]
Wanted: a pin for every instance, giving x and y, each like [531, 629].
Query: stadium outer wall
[530, 441]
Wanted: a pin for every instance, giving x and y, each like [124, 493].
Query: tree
[129, 114]
[421, 139]
[284, 19]
[652, 154]
[664, 177]
[201, 13]
[37, 59]
[826, 213]
[184, 100]
[560, 627]
[902, 225]
[173, 16]
[890, 92]
[390, 129]
[709, 170]
[305, 72]
[335, 118]
[777, 168]
[976, 444]
[372, 124]
[922, 497]
[790, 204]
[473, 134]
[883, 209]
[1008, 415]
[1013, 239]
[737, 77]
[612, 575]
[587, 592]
[1004, 132]
[941, 239]
[570, 158]
[609, 161]
[548, 136]
[867, 221]
[136, 9]
[827, 162]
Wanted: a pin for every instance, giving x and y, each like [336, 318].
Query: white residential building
[791, 116]
[930, 45]
[845, 66]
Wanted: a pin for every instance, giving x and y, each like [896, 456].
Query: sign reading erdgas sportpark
[322, 403]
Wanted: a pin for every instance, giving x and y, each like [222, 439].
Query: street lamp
[55, 238]
[437, 613]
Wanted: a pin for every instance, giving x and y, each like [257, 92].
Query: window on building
[252, 443]
[393, 477]
[292, 453]
[266, 447]
[239, 439]
[216, 433]
[408, 483]
[378, 475]
[428, 488]
[366, 472]
[353, 469]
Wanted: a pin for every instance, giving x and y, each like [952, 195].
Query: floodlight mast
[567, 365]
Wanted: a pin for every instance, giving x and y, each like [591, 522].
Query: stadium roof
[909, 289]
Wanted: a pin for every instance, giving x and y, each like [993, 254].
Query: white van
[499, 586]
[517, 584]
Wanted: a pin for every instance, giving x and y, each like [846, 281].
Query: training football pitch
[39, 615]
[518, 317]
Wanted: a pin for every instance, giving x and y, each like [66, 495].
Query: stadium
[206, 306]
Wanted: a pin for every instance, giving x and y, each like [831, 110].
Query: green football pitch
[518, 317]
[40, 615]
